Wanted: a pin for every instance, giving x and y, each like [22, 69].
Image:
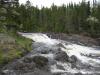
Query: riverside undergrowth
[13, 46]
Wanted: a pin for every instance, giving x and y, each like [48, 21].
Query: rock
[39, 72]
[61, 45]
[27, 65]
[60, 67]
[61, 56]
[44, 52]
[24, 67]
[27, 60]
[57, 74]
[73, 59]
[78, 74]
[40, 61]
[73, 65]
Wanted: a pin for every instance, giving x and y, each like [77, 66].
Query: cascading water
[64, 58]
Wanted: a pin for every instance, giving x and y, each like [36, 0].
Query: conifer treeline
[73, 18]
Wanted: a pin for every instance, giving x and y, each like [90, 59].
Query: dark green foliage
[73, 18]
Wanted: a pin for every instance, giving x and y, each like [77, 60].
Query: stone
[73, 59]
[61, 56]
[40, 61]
[78, 74]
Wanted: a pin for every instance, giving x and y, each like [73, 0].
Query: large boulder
[61, 56]
[40, 61]
[27, 65]
[73, 59]
[24, 67]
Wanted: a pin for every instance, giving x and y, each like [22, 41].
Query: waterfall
[83, 53]
[64, 58]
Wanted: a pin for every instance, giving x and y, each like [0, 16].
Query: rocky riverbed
[55, 57]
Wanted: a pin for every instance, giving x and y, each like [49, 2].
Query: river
[55, 57]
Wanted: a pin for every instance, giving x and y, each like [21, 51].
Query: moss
[22, 41]
[14, 50]
[9, 54]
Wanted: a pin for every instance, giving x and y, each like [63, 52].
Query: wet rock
[61, 56]
[57, 74]
[27, 60]
[60, 67]
[61, 45]
[44, 52]
[78, 74]
[8, 73]
[73, 65]
[39, 72]
[52, 62]
[73, 59]
[40, 61]
[25, 67]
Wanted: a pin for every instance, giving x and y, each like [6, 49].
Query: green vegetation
[74, 18]
[13, 47]
[22, 41]
[81, 18]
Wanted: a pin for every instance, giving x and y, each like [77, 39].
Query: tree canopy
[74, 18]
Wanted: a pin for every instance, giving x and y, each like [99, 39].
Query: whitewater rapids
[57, 57]
[86, 55]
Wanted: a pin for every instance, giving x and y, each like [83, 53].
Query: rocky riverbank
[12, 48]
[75, 38]
[55, 57]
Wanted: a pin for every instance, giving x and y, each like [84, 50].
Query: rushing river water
[64, 58]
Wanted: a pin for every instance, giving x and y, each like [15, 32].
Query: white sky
[48, 3]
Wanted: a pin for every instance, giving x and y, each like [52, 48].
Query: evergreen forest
[82, 18]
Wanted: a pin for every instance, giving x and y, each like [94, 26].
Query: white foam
[68, 69]
[71, 49]
[48, 55]
[39, 37]
[78, 50]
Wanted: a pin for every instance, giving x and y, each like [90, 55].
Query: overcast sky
[48, 3]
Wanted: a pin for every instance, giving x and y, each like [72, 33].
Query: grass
[24, 42]
[7, 56]
[10, 50]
